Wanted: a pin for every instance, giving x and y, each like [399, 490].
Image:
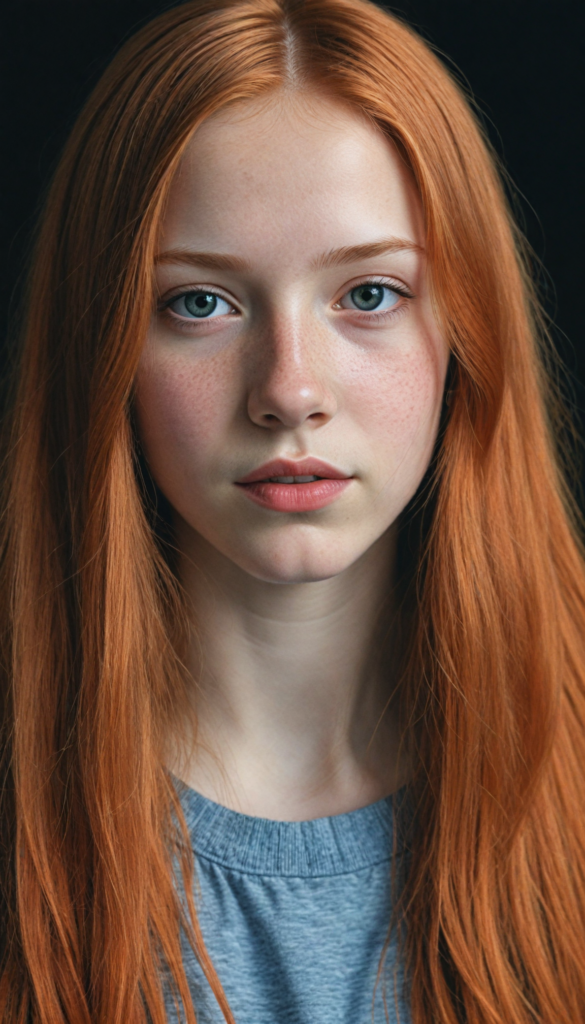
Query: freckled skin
[291, 374]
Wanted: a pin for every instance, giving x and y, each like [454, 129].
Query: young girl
[293, 703]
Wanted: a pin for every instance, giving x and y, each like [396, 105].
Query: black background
[523, 60]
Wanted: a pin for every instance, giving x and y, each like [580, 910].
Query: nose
[291, 378]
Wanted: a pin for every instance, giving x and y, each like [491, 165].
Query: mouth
[287, 486]
[291, 479]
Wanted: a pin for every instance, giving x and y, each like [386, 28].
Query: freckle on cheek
[183, 407]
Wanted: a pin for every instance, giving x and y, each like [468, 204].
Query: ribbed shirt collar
[323, 846]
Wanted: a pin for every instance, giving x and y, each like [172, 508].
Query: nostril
[276, 405]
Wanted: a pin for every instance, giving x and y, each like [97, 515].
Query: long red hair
[92, 617]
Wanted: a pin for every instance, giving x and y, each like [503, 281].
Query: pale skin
[309, 201]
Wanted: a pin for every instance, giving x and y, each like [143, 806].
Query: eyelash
[387, 314]
[182, 323]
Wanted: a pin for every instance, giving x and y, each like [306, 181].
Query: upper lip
[286, 467]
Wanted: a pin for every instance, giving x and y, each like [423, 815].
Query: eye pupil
[200, 303]
[367, 296]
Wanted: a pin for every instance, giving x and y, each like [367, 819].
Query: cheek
[183, 408]
[397, 399]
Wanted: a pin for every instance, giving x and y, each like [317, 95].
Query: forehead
[305, 170]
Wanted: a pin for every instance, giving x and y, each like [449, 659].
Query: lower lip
[295, 497]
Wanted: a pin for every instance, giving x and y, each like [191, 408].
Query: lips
[287, 468]
[284, 485]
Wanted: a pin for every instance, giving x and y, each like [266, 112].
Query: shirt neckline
[333, 845]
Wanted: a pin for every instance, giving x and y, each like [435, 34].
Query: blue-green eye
[370, 297]
[199, 305]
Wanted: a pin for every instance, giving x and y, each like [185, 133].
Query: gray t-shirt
[294, 916]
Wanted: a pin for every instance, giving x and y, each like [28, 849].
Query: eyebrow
[355, 253]
[214, 260]
[334, 258]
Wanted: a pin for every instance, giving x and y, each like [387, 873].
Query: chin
[295, 563]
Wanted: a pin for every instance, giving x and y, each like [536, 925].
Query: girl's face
[294, 339]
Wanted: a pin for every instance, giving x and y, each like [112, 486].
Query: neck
[291, 690]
